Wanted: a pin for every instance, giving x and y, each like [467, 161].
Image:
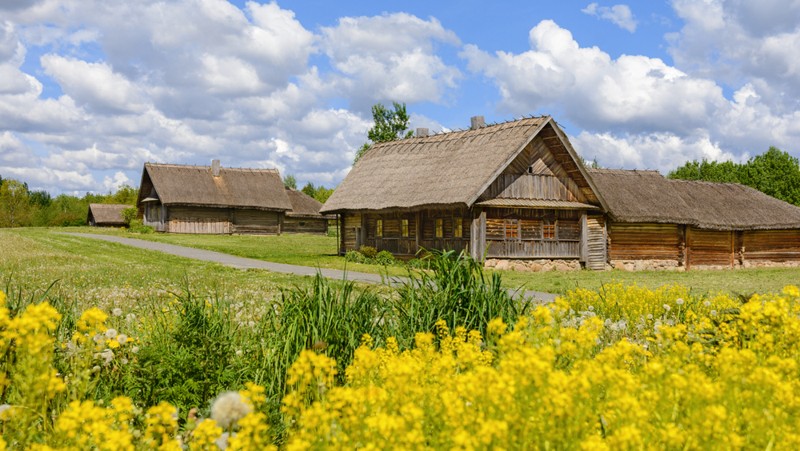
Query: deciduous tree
[389, 126]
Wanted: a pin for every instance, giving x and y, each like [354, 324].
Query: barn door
[595, 242]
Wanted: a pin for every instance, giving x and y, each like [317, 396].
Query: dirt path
[248, 263]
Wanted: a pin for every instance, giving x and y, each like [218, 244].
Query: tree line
[774, 172]
[21, 207]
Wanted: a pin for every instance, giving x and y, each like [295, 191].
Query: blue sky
[91, 89]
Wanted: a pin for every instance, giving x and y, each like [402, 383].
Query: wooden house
[304, 217]
[518, 191]
[217, 200]
[106, 215]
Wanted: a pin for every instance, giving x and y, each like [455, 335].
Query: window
[549, 231]
[512, 229]
[458, 225]
[404, 228]
[439, 228]
[379, 227]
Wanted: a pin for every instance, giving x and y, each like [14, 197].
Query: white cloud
[740, 42]
[619, 15]
[390, 57]
[591, 88]
[116, 182]
[657, 114]
[661, 151]
[94, 85]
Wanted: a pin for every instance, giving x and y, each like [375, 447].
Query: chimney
[215, 168]
[476, 122]
[422, 132]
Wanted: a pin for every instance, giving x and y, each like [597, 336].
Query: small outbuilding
[106, 215]
[517, 192]
[216, 200]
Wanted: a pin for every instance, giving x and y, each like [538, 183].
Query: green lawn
[319, 251]
[741, 281]
[313, 250]
[109, 275]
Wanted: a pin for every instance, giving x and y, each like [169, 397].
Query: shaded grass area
[319, 251]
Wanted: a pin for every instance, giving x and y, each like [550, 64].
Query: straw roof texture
[647, 196]
[303, 205]
[234, 188]
[107, 214]
[445, 169]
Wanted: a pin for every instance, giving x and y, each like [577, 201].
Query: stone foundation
[647, 265]
[543, 265]
[540, 265]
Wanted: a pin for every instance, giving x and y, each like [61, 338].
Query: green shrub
[354, 256]
[129, 215]
[368, 251]
[136, 226]
[384, 258]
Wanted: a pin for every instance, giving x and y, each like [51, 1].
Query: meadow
[107, 347]
[320, 251]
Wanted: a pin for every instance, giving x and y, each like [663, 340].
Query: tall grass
[454, 288]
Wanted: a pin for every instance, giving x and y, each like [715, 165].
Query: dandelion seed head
[229, 408]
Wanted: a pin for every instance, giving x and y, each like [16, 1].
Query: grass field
[319, 251]
[108, 275]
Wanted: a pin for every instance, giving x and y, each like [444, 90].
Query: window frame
[438, 228]
[458, 227]
[379, 228]
[404, 228]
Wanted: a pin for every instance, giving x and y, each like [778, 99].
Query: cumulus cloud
[646, 109]
[390, 58]
[591, 88]
[94, 85]
[740, 42]
[660, 151]
[619, 15]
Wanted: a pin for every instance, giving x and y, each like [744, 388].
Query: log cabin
[106, 215]
[217, 200]
[518, 191]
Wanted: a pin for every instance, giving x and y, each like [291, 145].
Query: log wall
[710, 247]
[198, 220]
[304, 225]
[644, 241]
[257, 222]
[771, 245]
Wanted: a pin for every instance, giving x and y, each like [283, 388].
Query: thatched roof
[174, 184]
[647, 196]
[448, 169]
[303, 205]
[106, 214]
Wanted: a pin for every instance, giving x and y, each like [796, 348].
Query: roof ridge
[222, 168]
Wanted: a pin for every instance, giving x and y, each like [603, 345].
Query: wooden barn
[106, 215]
[217, 200]
[658, 223]
[517, 191]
